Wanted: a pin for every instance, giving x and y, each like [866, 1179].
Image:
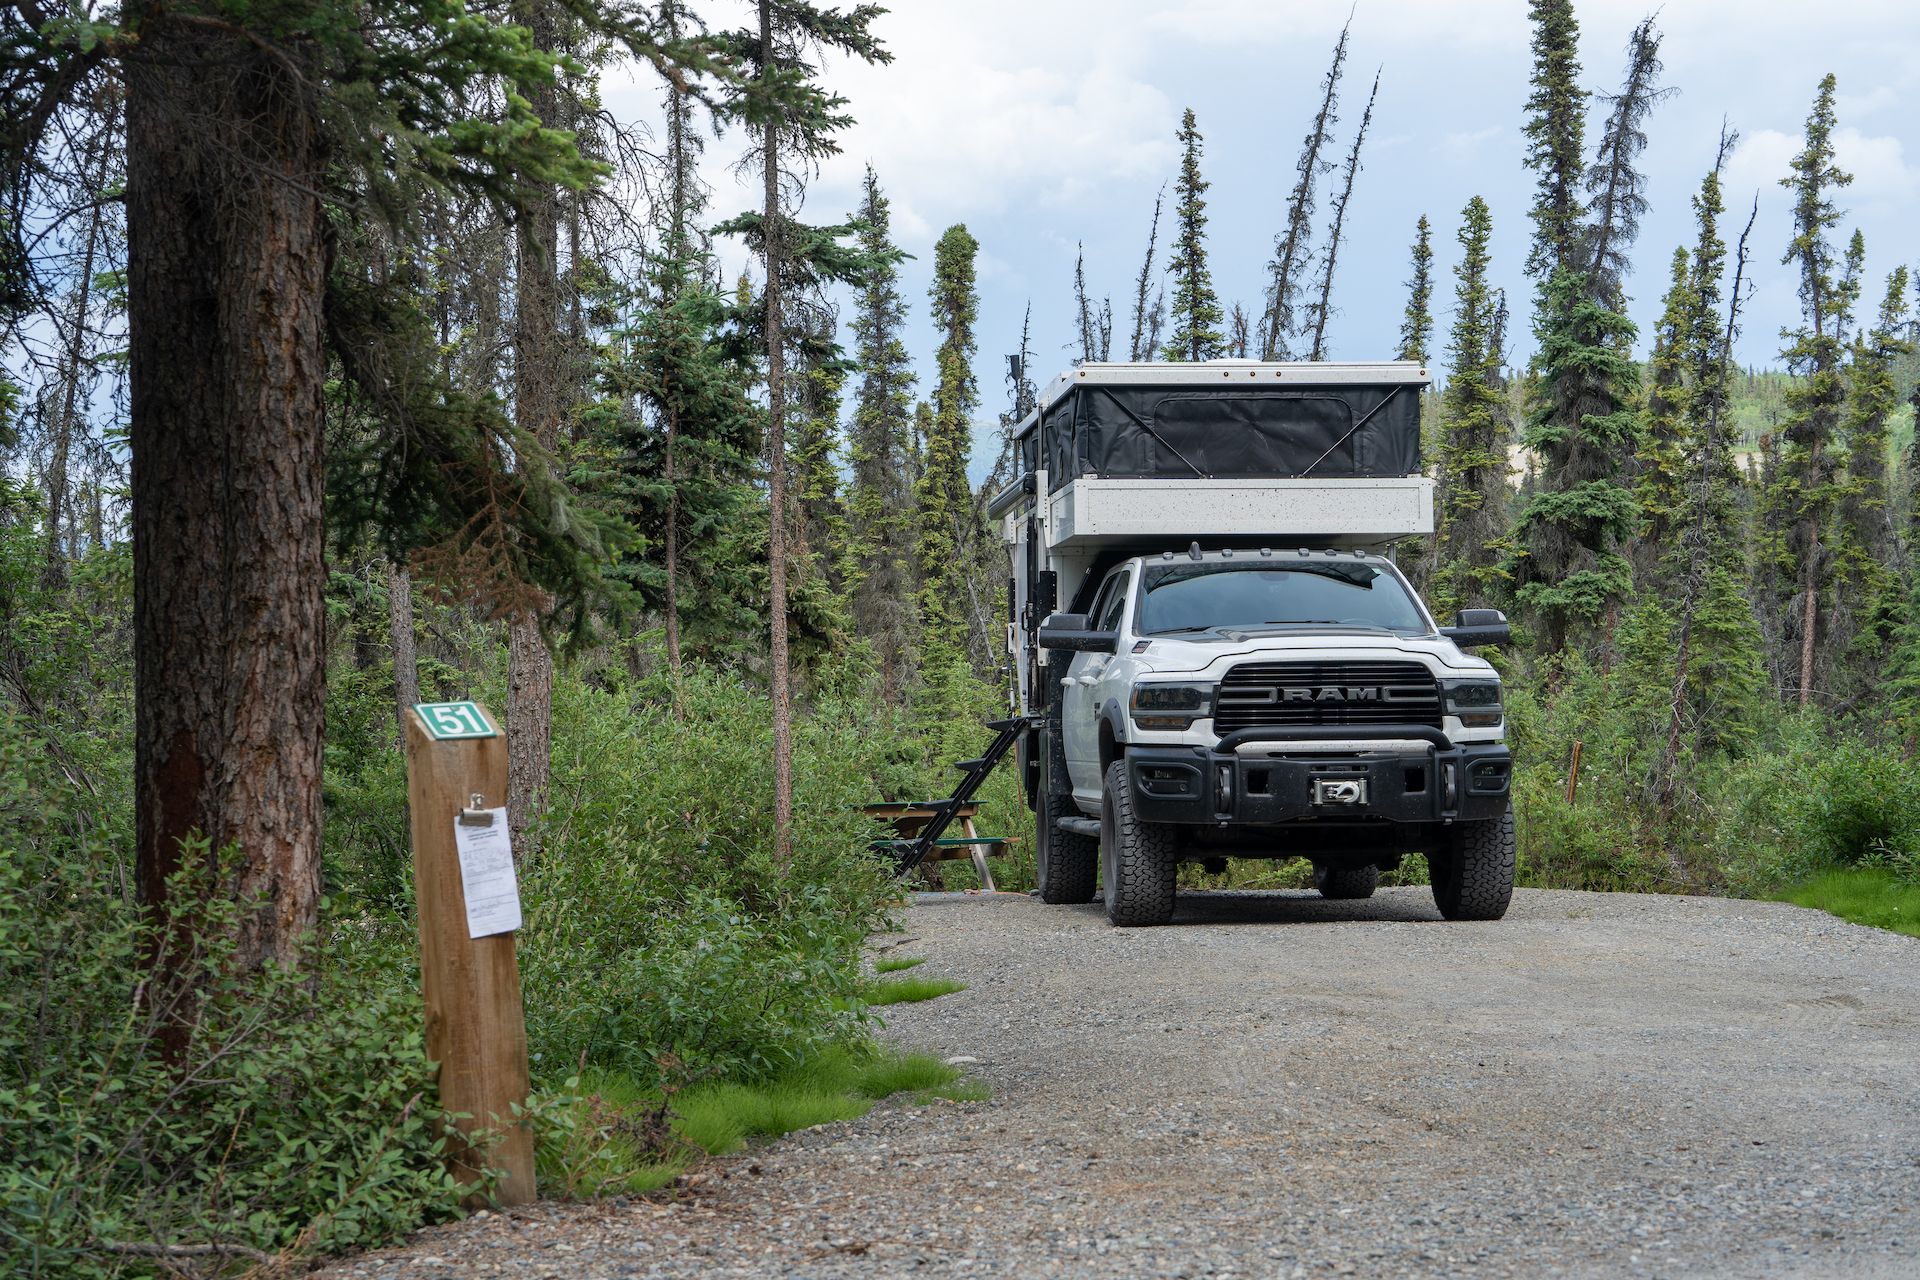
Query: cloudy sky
[1045, 123]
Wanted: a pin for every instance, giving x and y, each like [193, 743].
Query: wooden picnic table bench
[909, 818]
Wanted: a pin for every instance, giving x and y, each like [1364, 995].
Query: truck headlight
[1170, 706]
[1476, 702]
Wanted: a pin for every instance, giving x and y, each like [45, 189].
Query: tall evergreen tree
[945, 496]
[1868, 593]
[1718, 679]
[1582, 423]
[1793, 558]
[1555, 133]
[881, 575]
[1293, 247]
[821, 522]
[540, 399]
[1416, 325]
[1196, 332]
[1322, 306]
[1475, 430]
[782, 99]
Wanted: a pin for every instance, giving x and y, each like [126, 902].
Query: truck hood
[1198, 653]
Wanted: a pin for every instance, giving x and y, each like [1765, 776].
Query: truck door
[1080, 701]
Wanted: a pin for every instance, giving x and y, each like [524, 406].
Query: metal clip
[476, 814]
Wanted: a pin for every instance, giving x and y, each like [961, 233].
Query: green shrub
[297, 1112]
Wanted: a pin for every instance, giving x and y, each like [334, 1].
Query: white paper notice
[486, 876]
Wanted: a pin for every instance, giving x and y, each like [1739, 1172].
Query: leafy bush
[662, 939]
[295, 1113]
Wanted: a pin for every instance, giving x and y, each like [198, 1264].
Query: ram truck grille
[1327, 693]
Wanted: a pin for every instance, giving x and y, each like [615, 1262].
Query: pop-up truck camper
[1215, 654]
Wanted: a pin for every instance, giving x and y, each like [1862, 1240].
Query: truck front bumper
[1290, 774]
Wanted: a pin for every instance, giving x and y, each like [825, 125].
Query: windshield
[1200, 597]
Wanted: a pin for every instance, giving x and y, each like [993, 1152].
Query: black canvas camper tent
[1227, 420]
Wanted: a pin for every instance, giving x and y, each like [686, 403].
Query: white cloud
[1881, 174]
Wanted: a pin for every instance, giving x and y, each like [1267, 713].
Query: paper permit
[486, 875]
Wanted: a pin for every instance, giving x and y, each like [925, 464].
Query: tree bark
[226, 273]
[406, 664]
[536, 407]
[780, 677]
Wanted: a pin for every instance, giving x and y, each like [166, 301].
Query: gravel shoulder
[1599, 1085]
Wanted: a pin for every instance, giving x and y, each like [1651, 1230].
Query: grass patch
[895, 966]
[1865, 895]
[611, 1136]
[910, 990]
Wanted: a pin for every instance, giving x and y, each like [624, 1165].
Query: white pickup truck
[1270, 688]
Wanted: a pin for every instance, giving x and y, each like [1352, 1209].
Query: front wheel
[1472, 869]
[1137, 859]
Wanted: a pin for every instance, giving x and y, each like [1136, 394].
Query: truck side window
[1113, 602]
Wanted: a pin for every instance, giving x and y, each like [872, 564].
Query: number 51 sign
[447, 720]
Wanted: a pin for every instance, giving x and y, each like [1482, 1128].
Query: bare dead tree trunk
[536, 411]
[673, 548]
[226, 273]
[1810, 612]
[58, 550]
[780, 679]
[406, 666]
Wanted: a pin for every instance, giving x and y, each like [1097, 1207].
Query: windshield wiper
[1182, 631]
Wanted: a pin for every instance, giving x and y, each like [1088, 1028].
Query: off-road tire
[1346, 883]
[1067, 864]
[1472, 871]
[1138, 860]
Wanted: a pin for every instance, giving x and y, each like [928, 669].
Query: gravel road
[1599, 1085]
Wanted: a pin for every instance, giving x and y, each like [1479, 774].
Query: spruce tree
[1293, 247]
[1868, 593]
[1322, 306]
[1474, 431]
[1555, 129]
[947, 518]
[1582, 424]
[1663, 483]
[795, 117]
[1196, 332]
[1718, 677]
[1793, 557]
[882, 577]
[1416, 325]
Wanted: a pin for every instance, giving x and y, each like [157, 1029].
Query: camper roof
[1230, 373]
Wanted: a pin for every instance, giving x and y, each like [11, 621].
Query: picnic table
[909, 818]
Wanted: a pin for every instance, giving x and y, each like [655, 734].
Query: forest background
[359, 355]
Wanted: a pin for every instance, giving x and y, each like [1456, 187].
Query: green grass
[1864, 895]
[895, 966]
[910, 990]
[613, 1144]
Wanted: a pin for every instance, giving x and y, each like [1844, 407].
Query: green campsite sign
[446, 720]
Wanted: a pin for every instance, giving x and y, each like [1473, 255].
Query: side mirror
[1074, 631]
[1476, 627]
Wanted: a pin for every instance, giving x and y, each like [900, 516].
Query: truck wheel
[1472, 871]
[1137, 859]
[1067, 864]
[1344, 883]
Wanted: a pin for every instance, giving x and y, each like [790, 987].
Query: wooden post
[476, 1028]
[1573, 771]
